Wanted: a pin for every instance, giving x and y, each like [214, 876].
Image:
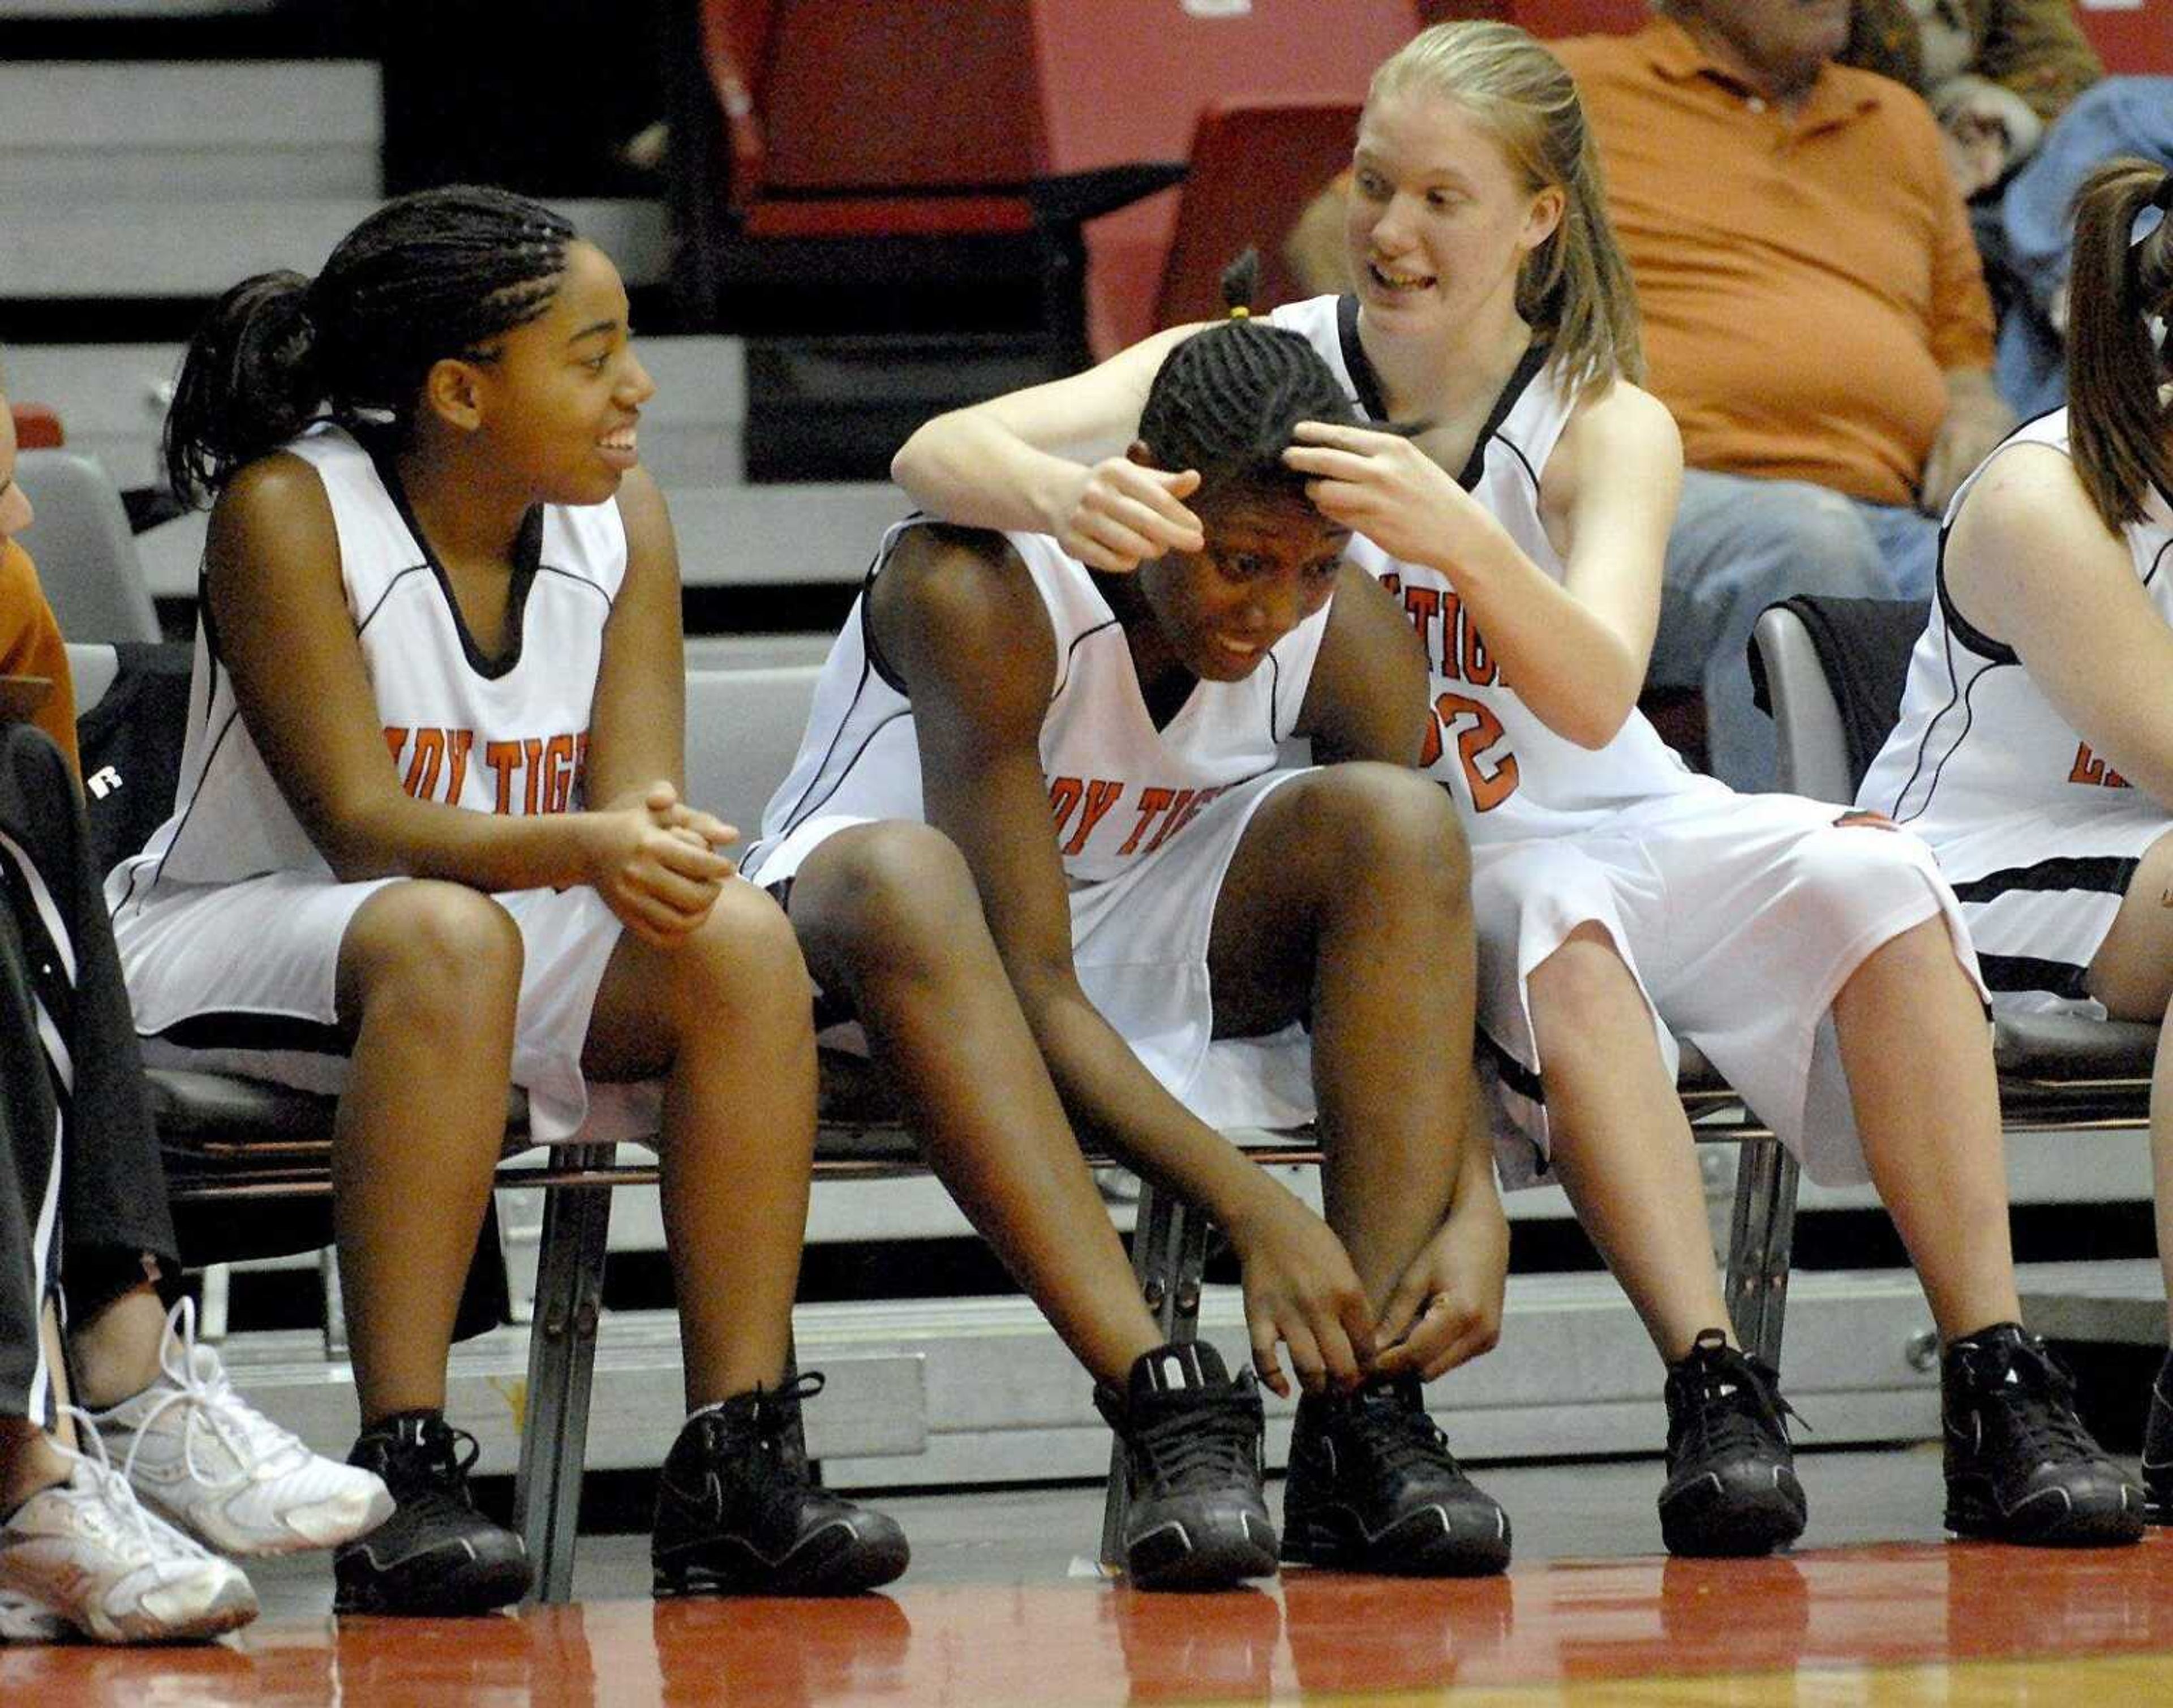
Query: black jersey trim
[579, 580]
[360, 629]
[1364, 379]
[528, 553]
[188, 812]
[1513, 1073]
[2019, 973]
[2158, 563]
[1512, 392]
[1971, 636]
[2103, 874]
[224, 1029]
[870, 648]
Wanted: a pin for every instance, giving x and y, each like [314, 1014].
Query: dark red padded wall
[1125, 80]
[900, 95]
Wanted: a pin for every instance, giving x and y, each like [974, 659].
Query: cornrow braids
[437, 274]
[1225, 400]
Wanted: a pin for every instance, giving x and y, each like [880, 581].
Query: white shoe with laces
[197, 1453]
[85, 1557]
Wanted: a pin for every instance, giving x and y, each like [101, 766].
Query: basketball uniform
[2038, 835]
[1146, 820]
[229, 922]
[1739, 916]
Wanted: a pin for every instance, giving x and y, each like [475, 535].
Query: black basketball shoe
[1731, 1489]
[2158, 1448]
[1196, 1516]
[737, 1512]
[436, 1554]
[2020, 1466]
[1373, 1487]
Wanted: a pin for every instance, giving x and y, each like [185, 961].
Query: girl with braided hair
[2034, 750]
[1623, 906]
[429, 838]
[1198, 909]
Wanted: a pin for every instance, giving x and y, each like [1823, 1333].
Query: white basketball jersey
[1511, 776]
[1119, 788]
[1978, 739]
[507, 736]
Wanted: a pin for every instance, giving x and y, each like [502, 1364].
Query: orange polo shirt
[1805, 282]
[30, 645]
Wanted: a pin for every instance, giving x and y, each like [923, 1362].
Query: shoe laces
[2039, 1395]
[1398, 1438]
[1210, 1440]
[1732, 1403]
[429, 1469]
[197, 1384]
[114, 1515]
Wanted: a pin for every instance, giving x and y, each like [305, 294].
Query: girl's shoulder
[1619, 429]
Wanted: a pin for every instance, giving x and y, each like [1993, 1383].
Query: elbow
[910, 468]
[351, 844]
[1595, 726]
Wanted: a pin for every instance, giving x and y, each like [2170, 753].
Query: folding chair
[86, 552]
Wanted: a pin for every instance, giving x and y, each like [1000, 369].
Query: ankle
[29, 1464]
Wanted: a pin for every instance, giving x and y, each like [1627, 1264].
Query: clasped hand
[1301, 1291]
[654, 861]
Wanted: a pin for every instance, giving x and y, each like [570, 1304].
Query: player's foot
[1732, 1488]
[201, 1456]
[436, 1554]
[1196, 1516]
[737, 1512]
[2158, 1448]
[2020, 1466]
[85, 1558]
[1373, 1487]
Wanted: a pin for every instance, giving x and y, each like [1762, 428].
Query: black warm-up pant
[83, 1199]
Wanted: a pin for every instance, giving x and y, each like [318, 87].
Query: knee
[895, 895]
[1582, 984]
[438, 946]
[744, 952]
[1372, 818]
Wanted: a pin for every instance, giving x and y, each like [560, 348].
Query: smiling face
[561, 397]
[1270, 563]
[14, 505]
[1440, 221]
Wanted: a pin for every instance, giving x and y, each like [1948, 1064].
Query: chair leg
[562, 1353]
[1169, 1254]
[1759, 1246]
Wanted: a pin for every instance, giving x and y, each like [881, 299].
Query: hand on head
[1120, 513]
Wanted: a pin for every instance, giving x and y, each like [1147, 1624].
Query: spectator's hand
[1446, 1308]
[1120, 514]
[1301, 1289]
[1976, 421]
[1988, 129]
[655, 862]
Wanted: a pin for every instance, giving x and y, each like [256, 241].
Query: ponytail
[440, 273]
[250, 381]
[2118, 427]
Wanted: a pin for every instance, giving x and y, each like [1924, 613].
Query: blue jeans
[2120, 115]
[1739, 544]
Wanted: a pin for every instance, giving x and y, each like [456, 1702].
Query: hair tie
[1238, 311]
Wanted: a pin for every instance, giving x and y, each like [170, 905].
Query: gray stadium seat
[86, 554]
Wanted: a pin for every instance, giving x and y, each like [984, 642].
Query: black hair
[435, 274]
[1225, 399]
[2121, 434]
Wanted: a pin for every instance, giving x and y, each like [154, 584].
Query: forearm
[1579, 677]
[968, 468]
[402, 838]
[1118, 1103]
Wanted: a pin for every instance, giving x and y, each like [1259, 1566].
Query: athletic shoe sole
[845, 1559]
[1466, 1541]
[2099, 1518]
[450, 1588]
[1204, 1549]
[1741, 1518]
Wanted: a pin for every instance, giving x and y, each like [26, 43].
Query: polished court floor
[1873, 1608]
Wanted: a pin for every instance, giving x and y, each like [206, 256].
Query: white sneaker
[200, 1455]
[85, 1557]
